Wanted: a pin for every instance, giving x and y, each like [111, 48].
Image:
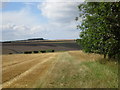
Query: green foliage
[78, 41]
[50, 50]
[100, 28]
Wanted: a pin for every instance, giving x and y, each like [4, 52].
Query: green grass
[101, 75]
[72, 73]
[91, 75]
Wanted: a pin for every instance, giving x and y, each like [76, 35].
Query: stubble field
[71, 69]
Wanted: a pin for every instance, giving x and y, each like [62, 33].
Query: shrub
[27, 52]
[35, 51]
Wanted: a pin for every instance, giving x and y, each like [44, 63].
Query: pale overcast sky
[49, 20]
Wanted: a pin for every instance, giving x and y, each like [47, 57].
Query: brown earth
[17, 47]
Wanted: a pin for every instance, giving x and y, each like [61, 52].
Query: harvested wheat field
[71, 69]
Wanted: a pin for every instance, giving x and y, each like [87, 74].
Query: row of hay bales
[41, 51]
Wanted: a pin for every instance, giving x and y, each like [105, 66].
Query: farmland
[18, 47]
[69, 69]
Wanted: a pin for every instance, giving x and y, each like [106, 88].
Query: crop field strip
[22, 60]
[37, 71]
[19, 69]
[27, 72]
[16, 59]
[34, 73]
[40, 73]
[24, 73]
[56, 70]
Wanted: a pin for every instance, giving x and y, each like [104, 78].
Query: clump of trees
[100, 28]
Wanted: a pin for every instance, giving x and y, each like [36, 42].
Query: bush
[35, 51]
[27, 52]
[43, 51]
[50, 50]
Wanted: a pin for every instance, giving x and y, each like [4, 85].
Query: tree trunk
[104, 55]
[109, 56]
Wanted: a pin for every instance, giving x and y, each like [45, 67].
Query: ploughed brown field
[16, 47]
[56, 70]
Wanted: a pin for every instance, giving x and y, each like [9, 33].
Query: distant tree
[100, 28]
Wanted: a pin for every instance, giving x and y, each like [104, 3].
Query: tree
[100, 28]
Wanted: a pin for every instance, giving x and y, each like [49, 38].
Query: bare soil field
[71, 69]
[16, 47]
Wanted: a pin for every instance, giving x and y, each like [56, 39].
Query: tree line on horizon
[100, 28]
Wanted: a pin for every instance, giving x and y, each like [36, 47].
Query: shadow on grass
[107, 61]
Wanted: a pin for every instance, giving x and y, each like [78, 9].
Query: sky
[48, 20]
